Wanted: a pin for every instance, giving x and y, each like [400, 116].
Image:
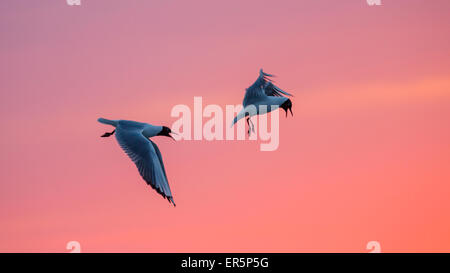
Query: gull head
[166, 132]
[287, 105]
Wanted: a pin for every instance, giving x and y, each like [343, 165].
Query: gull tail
[242, 114]
[107, 121]
[234, 121]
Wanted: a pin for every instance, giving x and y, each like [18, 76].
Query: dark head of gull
[166, 132]
[287, 105]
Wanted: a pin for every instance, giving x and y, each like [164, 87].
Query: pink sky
[365, 157]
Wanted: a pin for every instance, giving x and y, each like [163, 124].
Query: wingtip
[264, 74]
[170, 199]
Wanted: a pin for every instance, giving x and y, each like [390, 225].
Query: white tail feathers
[107, 121]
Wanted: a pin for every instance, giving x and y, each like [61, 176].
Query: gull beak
[172, 136]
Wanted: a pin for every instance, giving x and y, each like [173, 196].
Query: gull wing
[272, 90]
[255, 91]
[147, 157]
[262, 87]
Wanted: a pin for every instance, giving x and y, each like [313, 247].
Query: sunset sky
[366, 156]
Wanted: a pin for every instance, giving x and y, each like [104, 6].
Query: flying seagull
[133, 138]
[263, 93]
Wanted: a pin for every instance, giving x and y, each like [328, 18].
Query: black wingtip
[170, 199]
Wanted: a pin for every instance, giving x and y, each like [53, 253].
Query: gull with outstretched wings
[263, 93]
[133, 138]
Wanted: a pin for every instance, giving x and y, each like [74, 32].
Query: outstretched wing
[272, 90]
[147, 157]
[263, 86]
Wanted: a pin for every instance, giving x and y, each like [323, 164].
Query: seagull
[263, 92]
[133, 138]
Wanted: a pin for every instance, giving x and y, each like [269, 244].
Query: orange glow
[365, 157]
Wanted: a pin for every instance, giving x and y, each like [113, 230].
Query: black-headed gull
[263, 93]
[133, 138]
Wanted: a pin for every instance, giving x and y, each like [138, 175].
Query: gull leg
[253, 125]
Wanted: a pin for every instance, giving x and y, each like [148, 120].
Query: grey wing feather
[272, 90]
[255, 91]
[147, 158]
[263, 86]
[158, 153]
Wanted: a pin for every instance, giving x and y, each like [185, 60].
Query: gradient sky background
[365, 157]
